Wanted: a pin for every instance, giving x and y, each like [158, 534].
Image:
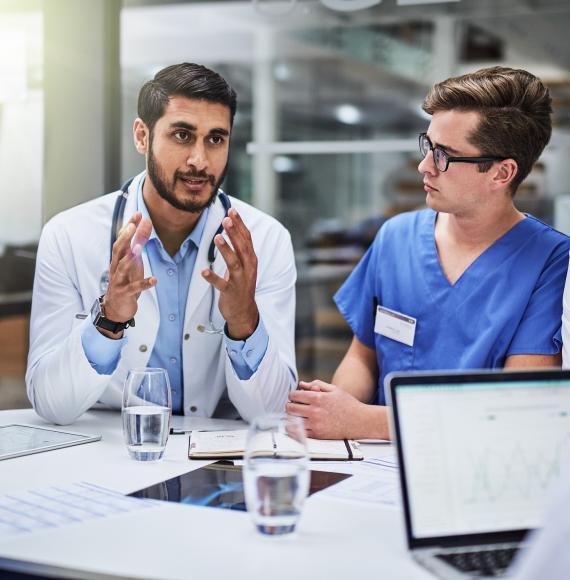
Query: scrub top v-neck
[508, 301]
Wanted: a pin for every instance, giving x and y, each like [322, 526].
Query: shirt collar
[195, 235]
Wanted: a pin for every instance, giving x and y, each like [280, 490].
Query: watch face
[96, 311]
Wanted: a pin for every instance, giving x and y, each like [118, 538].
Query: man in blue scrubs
[469, 282]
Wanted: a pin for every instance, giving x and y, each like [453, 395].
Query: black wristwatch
[99, 320]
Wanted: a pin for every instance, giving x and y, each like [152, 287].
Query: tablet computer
[220, 485]
[17, 440]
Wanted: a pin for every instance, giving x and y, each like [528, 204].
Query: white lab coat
[73, 253]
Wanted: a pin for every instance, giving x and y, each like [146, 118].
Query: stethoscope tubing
[117, 223]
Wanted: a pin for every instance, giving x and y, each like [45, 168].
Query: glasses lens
[440, 159]
[424, 145]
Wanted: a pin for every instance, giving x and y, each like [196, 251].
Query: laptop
[478, 452]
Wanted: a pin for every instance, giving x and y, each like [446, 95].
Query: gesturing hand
[126, 273]
[237, 287]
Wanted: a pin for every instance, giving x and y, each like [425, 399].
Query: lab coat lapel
[199, 286]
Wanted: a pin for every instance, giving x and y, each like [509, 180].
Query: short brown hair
[515, 109]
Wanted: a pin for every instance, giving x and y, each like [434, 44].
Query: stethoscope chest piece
[104, 282]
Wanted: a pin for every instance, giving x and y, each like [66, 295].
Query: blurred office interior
[325, 138]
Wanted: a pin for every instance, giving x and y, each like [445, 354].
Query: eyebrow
[190, 127]
[445, 147]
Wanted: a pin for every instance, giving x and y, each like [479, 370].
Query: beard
[166, 189]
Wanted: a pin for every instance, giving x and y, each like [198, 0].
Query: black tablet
[219, 485]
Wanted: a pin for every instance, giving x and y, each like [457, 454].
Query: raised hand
[237, 287]
[126, 273]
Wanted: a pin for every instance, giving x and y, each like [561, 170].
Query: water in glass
[275, 493]
[146, 431]
[147, 406]
[276, 473]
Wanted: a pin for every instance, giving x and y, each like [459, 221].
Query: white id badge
[395, 325]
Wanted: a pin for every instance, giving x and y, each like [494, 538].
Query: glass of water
[147, 406]
[276, 472]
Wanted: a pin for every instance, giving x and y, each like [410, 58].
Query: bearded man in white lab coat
[201, 289]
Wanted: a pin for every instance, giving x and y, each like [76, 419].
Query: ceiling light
[348, 114]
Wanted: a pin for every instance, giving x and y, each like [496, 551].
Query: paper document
[382, 489]
[376, 480]
[49, 508]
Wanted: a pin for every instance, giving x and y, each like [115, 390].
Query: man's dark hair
[515, 109]
[189, 80]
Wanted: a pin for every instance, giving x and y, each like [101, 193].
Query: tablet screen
[219, 485]
[17, 440]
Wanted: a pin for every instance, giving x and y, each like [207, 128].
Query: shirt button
[193, 409]
[170, 272]
[173, 360]
[233, 352]
[143, 348]
[249, 353]
[186, 337]
[172, 317]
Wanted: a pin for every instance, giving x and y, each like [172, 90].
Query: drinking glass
[276, 472]
[147, 407]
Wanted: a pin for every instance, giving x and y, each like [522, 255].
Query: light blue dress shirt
[173, 274]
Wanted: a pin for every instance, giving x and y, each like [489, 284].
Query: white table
[335, 539]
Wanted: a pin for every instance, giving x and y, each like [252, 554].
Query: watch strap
[101, 321]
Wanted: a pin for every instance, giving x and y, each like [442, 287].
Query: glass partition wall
[325, 138]
[21, 164]
[329, 110]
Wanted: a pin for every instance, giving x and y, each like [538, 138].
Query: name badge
[395, 325]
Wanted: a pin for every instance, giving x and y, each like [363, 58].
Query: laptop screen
[479, 456]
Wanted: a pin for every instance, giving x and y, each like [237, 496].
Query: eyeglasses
[442, 159]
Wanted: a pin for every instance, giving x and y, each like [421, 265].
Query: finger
[242, 246]
[303, 397]
[129, 268]
[216, 281]
[137, 217]
[316, 385]
[140, 286]
[230, 258]
[308, 387]
[239, 223]
[121, 246]
[142, 233]
[298, 410]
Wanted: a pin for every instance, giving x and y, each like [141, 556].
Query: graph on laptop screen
[481, 457]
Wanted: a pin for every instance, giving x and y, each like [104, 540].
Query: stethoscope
[117, 224]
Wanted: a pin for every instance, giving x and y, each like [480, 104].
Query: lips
[194, 183]
[429, 188]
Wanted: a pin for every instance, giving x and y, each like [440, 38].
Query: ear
[141, 136]
[504, 173]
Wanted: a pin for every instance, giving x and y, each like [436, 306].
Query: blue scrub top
[507, 302]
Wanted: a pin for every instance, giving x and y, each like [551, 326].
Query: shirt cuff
[246, 355]
[102, 353]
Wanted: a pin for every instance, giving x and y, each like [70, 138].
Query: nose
[427, 164]
[197, 157]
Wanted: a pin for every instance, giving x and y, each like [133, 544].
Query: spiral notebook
[231, 445]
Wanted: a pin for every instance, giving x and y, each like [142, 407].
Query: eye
[182, 136]
[217, 139]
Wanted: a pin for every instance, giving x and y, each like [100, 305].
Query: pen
[177, 431]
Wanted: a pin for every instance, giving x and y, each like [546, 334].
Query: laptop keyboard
[482, 563]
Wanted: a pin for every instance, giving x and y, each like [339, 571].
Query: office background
[325, 137]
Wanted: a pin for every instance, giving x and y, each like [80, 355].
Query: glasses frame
[449, 158]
